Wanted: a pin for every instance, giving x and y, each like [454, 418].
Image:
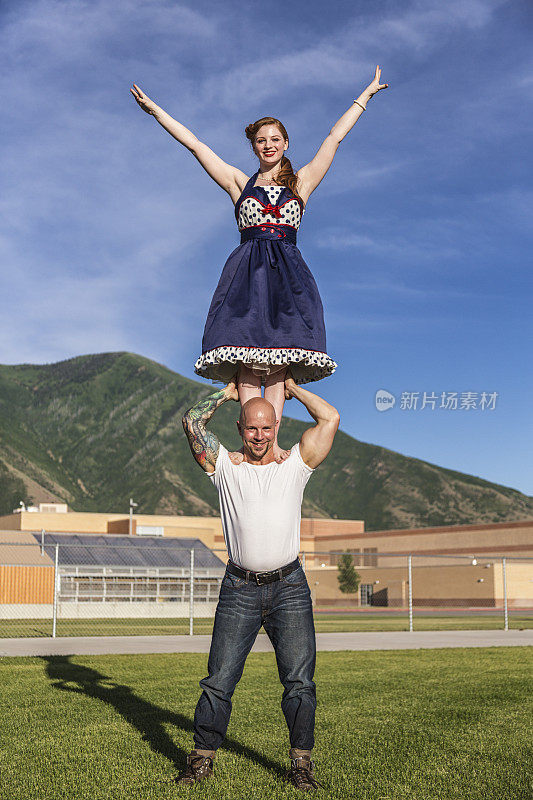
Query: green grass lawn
[338, 623]
[406, 725]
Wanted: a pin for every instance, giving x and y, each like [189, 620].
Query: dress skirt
[266, 313]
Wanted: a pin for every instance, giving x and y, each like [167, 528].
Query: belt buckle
[258, 580]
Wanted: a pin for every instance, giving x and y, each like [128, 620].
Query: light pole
[132, 506]
[313, 596]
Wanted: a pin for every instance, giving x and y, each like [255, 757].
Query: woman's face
[269, 145]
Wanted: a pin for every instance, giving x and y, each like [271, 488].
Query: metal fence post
[56, 591]
[505, 611]
[191, 595]
[410, 559]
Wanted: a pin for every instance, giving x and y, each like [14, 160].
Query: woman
[266, 315]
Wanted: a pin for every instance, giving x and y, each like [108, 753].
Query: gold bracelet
[359, 104]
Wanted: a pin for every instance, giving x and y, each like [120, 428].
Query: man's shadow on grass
[146, 717]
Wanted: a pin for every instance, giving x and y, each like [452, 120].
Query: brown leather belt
[263, 577]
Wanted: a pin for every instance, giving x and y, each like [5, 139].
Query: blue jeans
[284, 608]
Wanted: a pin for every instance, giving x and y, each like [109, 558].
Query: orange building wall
[208, 529]
[505, 538]
[26, 584]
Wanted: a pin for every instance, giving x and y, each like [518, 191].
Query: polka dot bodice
[274, 205]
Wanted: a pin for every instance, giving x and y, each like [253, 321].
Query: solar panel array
[99, 550]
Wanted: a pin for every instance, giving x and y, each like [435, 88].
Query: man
[264, 583]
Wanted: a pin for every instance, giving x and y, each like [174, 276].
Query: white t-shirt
[261, 507]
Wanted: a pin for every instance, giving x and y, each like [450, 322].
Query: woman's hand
[143, 100]
[374, 87]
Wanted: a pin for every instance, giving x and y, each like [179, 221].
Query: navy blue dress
[266, 311]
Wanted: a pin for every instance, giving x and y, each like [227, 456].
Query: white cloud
[402, 248]
[73, 31]
[398, 287]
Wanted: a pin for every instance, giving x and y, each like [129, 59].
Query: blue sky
[112, 237]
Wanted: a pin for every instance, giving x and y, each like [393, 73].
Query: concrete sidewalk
[387, 640]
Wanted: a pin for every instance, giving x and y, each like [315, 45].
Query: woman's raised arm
[231, 179]
[311, 175]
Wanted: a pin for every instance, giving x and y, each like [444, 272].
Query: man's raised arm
[203, 443]
[316, 442]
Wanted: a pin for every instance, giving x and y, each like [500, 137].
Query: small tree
[348, 578]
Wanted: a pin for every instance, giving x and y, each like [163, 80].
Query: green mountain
[95, 430]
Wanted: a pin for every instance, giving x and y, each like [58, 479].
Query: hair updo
[285, 176]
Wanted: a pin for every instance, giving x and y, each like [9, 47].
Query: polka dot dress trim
[221, 363]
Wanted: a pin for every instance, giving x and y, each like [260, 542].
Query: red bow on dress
[270, 209]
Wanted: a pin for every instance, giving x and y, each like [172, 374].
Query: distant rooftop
[76, 549]
[43, 508]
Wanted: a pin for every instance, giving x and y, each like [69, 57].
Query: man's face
[258, 430]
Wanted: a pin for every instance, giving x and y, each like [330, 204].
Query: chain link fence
[128, 586]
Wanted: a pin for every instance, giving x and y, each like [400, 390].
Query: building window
[133, 588]
[334, 557]
[370, 558]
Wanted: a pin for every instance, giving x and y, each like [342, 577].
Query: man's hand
[290, 385]
[232, 393]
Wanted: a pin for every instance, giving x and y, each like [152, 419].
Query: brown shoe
[301, 774]
[198, 768]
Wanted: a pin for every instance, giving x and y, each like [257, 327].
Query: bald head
[257, 428]
[257, 410]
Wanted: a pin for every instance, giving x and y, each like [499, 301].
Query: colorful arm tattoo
[203, 443]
